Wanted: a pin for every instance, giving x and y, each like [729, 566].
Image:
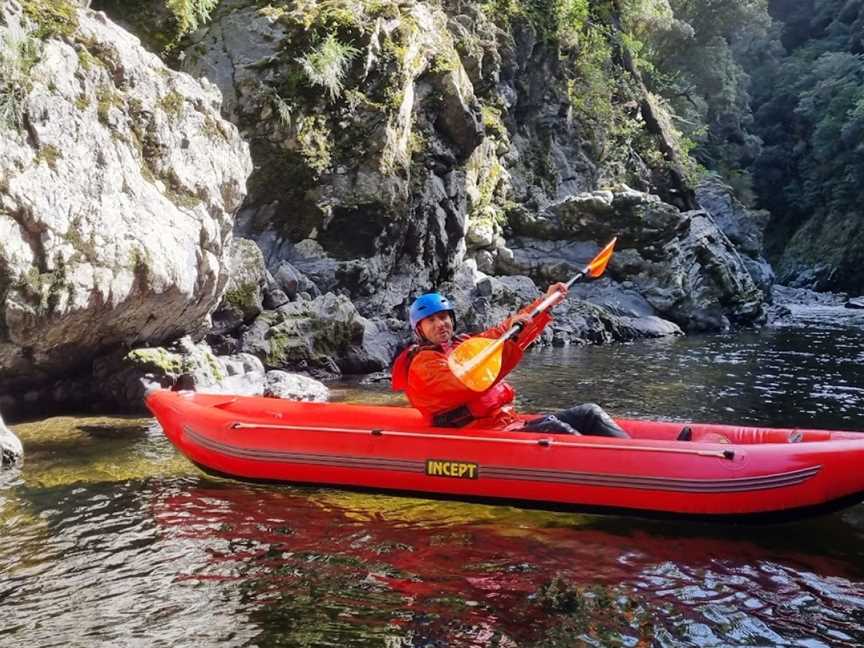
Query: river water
[110, 538]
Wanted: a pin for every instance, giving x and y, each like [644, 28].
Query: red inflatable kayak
[723, 471]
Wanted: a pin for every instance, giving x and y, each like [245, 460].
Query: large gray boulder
[119, 184]
[325, 336]
[745, 228]
[681, 263]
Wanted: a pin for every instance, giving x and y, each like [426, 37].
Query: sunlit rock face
[118, 184]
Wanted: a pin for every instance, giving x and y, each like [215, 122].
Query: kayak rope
[545, 442]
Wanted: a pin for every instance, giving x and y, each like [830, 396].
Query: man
[422, 372]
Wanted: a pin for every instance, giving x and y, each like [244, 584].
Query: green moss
[279, 344]
[488, 172]
[172, 103]
[82, 102]
[169, 363]
[416, 143]
[446, 60]
[359, 100]
[139, 263]
[316, 143]
[84, 247]
[243, 297]
[394, 96]
[19, 53]
[86, 60]
[42, 290]
[215, 367]
[147, 173]
[135, 106]
[492, 121]
[49, 155]
[106, 99]
[53, 18]
[274, 13]
[181, 196]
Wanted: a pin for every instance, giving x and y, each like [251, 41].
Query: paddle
[477, 361]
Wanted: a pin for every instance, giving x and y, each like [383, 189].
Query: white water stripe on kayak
[721, 454]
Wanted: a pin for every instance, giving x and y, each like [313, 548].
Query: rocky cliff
[390, 148]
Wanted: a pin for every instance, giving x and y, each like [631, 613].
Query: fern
[327, 64]
[19, 52]
[283, 108]
[191, 14]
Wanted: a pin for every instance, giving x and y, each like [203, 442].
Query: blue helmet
[426, 305]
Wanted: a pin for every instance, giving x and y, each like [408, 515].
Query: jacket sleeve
[532, 329]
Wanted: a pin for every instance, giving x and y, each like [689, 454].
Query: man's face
[437, 328]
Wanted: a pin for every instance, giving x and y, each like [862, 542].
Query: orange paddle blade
[476, 362]
[598, 264]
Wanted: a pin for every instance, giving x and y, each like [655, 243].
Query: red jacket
[423, 373]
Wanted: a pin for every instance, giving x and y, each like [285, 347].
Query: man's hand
[560, 288]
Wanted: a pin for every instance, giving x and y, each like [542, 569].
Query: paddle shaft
[555, 297]
[595, 268]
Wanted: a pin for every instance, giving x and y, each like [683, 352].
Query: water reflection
[171, 558]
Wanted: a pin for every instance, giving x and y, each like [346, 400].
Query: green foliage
[332, 13]
[162, 360]
[694, 54]
[816, 150]
[327, 64]
[53, 18]
[19, 52]
[243, 297]
[809, 112]
[86, 60]
[213, 129]
[492, 122]
[559, 21]
[191, 14]
[283, 109]
[603, 99]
